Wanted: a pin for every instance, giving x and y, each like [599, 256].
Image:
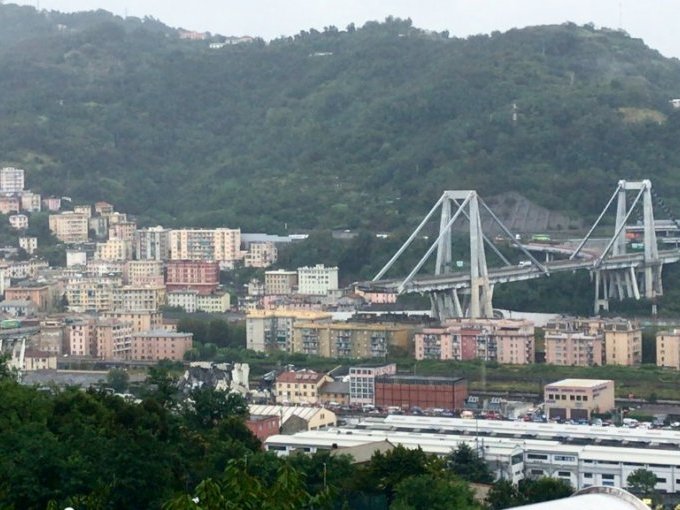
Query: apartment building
[152, 244]
[362, 382]
[317, 280]
[301, 387]
[143, 272]
[668, 349]
[30, 201]
[160, 344]
[103, 208]
[69, 227]
[574, 348]
[114, 249]
[623, 342]
[192, 301]
[143, 320]
[202, 276]
[43, 296]
[80, 336]
[28, 244]
[113, 339]
[52, 203]
[124, 230]
[18, 221]
[89, 294]
[9, 204]
[349, 340]
[85, 210]
[138, 297]
[11, 180]
[280, 282]
[261, 254]
[502, 340]
[272, 330]
[221, 244]
[593, 341]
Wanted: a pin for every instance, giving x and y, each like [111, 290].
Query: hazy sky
[655, 21]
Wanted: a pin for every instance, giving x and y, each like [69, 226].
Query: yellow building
[261, 254]
[220, 244]
[272, 330]
[143, 272]
[301, 387]
[89, 295]
[137, 298]
[139, 320]
[280, 282]
[349, 339]
[577, 399]
[69, 227]
[623, 342]
[668, 349]
[114, 249]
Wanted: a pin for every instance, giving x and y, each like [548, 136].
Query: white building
[191, 301]
[362, 382]
[18, 221]
[11, 180]
[317, 280]
[76, 258]
[28, 244]
[152, 243]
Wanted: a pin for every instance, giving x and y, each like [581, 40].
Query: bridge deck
[461, 280]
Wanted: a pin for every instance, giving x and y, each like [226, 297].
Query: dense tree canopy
[341, 128]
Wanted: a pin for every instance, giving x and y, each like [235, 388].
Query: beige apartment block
[261, 254]
[272, 330]
[30, 202]
[221, 244]
[159, 344]
[349, 340]
[623, 342]
[139, 321]
[69, 227]
[668, 349]
[80, 337]
[139, 298]
[103, 208]
[301, 387]
[113, 339]
[124, 230]
[572, 348]
[280, 282]
[577, 399]
[91, 294]
[114, 250]
[85, 210]
[41, 295]
[515, 342]
[143, 272]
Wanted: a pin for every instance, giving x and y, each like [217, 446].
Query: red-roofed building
[301, 387]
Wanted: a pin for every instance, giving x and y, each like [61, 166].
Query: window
[537, 472]
[607, 477]
[537, 456]
[564, 473]
[572, 397]
[585, 399]
[565, 458]
[587, 475]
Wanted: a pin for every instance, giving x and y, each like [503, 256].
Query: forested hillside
[359, 127]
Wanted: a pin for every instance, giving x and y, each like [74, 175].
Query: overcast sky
[655, 21]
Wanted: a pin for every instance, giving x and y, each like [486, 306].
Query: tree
[430, 492]
[118, 379]
[206, 407]
[503, 494]
[543, 489]
[642, 482]
[468, 465]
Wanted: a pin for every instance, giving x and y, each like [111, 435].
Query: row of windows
[578, 398]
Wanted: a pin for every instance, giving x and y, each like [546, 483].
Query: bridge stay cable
[599, 218]
[486, 239]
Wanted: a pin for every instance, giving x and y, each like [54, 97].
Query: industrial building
[578, 399]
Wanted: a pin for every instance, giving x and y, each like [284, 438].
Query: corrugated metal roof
[285, 412]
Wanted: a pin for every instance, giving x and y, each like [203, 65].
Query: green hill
[343, 128]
